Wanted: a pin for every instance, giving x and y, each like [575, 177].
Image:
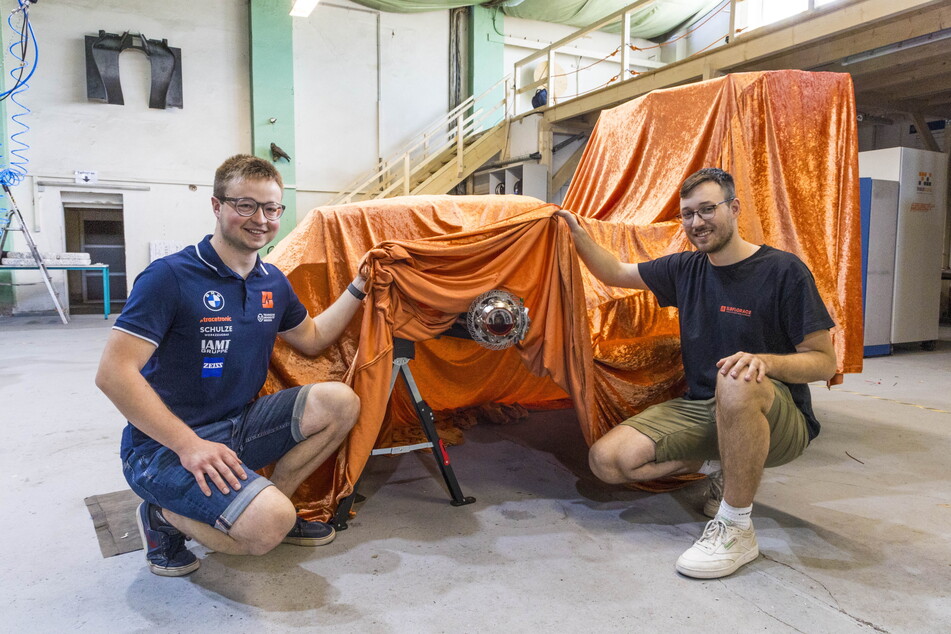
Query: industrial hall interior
[466, 316]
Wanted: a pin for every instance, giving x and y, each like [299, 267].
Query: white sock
[739, 517]
[709, 466]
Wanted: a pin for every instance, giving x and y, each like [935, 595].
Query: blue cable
[14, 173]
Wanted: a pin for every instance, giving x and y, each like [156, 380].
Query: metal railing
[447, 137]
[623, 56]
[625, 59]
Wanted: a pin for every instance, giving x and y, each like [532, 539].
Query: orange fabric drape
[789, 138]
[418, 288]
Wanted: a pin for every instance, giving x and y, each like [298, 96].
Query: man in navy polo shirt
[753, 332]
[184, 364]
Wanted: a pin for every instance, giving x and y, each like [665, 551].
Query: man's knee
[265, 522]
[341, 400]
[603, 460]
[616, 456]
[736, 395]
[331, 405]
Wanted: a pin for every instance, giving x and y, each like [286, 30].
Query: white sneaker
[711, 506]
[720, 551]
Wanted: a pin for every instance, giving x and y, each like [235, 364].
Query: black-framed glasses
[248, 207]
[706, 212]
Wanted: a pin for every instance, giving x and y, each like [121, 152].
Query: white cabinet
[528, 179]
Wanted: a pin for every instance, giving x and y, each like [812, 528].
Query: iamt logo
[214, 301]
[267, 299]
[215, 346]
[212, 366]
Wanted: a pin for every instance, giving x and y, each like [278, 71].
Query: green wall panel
[272, 94]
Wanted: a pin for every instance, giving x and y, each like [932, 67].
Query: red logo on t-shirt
[736, 311]
[267, 299]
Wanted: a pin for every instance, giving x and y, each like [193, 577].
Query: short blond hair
[242, 167]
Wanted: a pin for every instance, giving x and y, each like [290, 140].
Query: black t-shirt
[766, 304]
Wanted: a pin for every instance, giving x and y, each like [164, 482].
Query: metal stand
[5, 228]
[404, 351]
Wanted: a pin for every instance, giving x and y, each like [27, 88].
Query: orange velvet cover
[789, 139]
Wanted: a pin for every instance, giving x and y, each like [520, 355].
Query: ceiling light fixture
[303, 8]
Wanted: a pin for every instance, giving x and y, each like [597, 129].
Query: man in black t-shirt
[753, 332]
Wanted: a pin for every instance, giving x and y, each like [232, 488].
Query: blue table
[102, 268]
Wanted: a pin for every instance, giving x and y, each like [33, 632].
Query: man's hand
[215, 461]
[756, 366]
[569, 218]
[604, 265]
[814, 360]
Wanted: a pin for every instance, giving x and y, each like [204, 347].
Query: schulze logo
[214, 301]
[267, 299]
[736, 311]
[212, 366]
[215, 331]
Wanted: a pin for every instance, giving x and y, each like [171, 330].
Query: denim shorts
[261, 434]
[687, 429]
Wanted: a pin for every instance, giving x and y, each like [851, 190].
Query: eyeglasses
[686, 216]
[248, 207]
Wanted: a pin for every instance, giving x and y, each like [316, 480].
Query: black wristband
[356, 292]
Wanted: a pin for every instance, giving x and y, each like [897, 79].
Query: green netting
[654, 19]
[414, 6]
[651, 21]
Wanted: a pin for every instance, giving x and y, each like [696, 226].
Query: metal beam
[860, 38]
[853, 27]
[898, 59]
[567, 170]
[914, 78]
[934, 107]
[925, 132]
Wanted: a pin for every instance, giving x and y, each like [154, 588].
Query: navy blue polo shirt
[213, 331]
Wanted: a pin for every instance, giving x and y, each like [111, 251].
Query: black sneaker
[307, 533]
[164, 544]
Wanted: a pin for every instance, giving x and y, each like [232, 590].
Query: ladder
[5, 227]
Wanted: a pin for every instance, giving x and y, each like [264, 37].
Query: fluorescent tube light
[303, 8]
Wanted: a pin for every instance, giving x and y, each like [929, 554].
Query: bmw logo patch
[214, 301]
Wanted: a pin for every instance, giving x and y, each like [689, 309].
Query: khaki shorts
[687, 430]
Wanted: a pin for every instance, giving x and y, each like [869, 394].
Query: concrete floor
[855, 534]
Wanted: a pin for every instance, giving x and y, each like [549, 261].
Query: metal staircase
[821, 37]
[444, 154]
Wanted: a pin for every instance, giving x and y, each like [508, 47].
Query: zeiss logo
[212, 366]
[212, 346]
[214, 301]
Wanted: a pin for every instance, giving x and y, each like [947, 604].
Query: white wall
[131, 145]
[162, 162]
[346, 57]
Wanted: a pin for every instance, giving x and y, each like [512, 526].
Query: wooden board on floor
[113, 516]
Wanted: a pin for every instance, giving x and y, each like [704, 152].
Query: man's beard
[717, 243]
